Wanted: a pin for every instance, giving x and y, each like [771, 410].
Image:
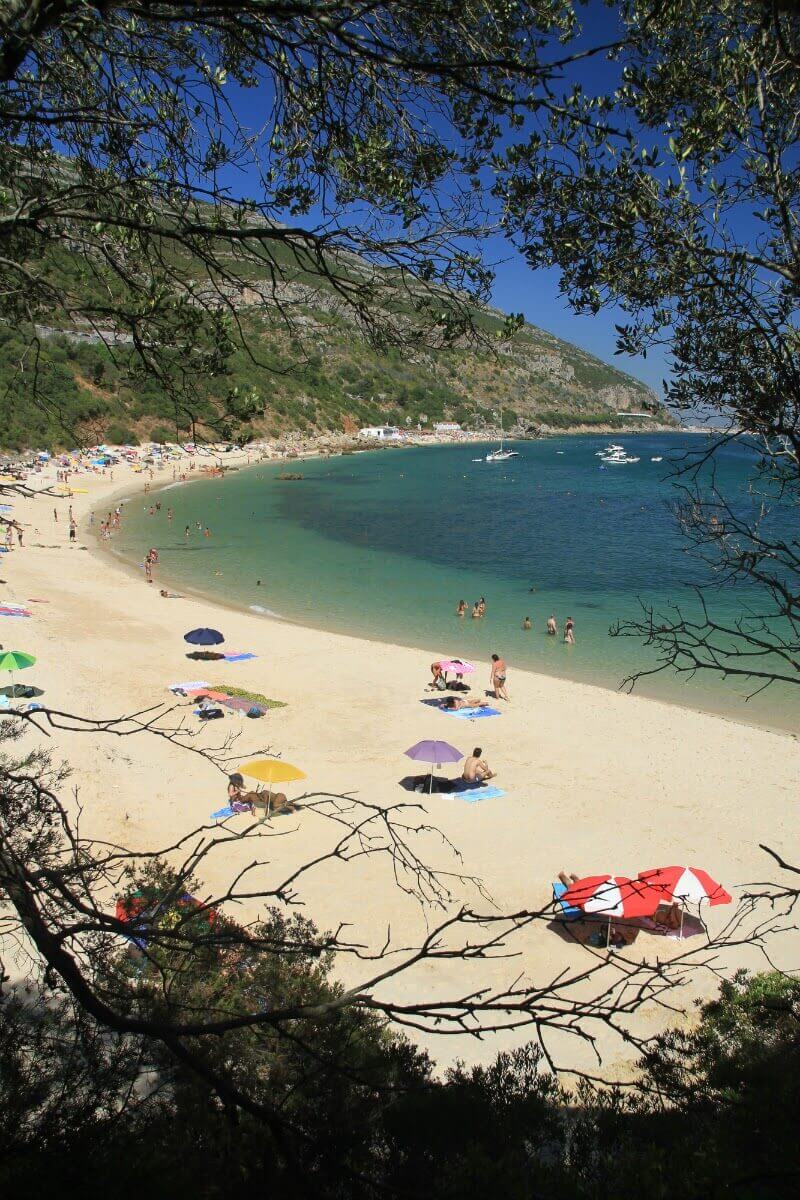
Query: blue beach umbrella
[204, 637]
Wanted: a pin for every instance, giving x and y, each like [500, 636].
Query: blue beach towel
[222, 813]
[469, 714]
[473, 795]
[568, 912]
[238, 657]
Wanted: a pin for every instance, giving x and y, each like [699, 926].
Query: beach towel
[567, 911]
[238, 657]
[222, 813]
[14, 612]
[473, 795]
[238, 704]
[192, 685]
[229, 811]
[469, 714]
[210, 692]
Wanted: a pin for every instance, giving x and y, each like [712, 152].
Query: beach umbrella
[269, 771]
[15, 660]
[434, 753]
[612, 896]
[204, 637]
[684, 885]
[457, 666]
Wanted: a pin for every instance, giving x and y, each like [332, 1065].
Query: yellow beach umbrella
[271, 770]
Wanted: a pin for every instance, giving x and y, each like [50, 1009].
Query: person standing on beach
[186, 532]
[497, 677]
[55, 515]
[148, 567]
[73, 528]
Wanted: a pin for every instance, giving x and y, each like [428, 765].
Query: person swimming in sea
[526, 624]
[462, 608]
[552, 627]
[476, 612]
[569, 632]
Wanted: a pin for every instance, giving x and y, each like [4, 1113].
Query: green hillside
[322, 375]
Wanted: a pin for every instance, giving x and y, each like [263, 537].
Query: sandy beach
[594, 781]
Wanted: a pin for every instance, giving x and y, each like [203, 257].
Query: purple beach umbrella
[435, 753]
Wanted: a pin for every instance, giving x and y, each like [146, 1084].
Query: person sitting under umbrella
[476, 768]
[265, 803]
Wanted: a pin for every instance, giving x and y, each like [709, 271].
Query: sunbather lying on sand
[456, 702]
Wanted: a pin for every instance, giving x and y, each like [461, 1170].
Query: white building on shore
[379, 433]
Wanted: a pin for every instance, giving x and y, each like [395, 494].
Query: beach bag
[440, 683]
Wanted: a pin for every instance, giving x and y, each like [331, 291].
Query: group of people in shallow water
[552, 628]
[479, 610]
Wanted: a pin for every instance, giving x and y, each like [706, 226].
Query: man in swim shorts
[476, 768]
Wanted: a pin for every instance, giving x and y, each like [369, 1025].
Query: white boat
[658, 458]
[501, 454]
[618, 458]
[613, 448]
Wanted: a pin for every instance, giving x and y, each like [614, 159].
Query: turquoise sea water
[384, 545]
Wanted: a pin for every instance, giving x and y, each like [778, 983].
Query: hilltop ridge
[316, 373]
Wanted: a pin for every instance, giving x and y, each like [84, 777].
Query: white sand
[595, 781]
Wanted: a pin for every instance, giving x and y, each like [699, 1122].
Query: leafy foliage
[673, 190]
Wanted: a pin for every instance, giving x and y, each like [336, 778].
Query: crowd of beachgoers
[548, 763]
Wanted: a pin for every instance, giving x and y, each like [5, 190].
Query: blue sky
[517, 288]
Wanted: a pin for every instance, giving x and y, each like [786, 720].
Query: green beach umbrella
[15, 660]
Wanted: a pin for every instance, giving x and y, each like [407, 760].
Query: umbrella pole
[680, 931]
[608, 939]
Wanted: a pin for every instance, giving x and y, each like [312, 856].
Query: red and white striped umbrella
[682, 885]
[612, 896]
